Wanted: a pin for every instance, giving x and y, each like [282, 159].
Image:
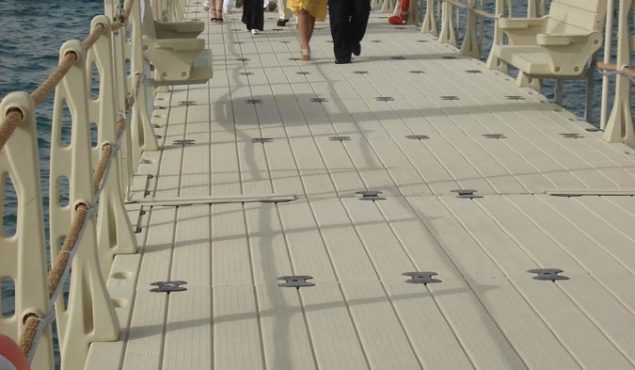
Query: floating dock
[259, 177]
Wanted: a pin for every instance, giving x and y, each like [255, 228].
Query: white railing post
[447, 34]
[429, 19]
[470, 46]
[532, 9]
[492, 61]
[120, 59]
[620, 124]
[23, 256]
[141, 132]
[89, 315]
[608, 49]
[114, 232]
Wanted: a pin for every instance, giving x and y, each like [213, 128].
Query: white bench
[558, 45]
[177, 55]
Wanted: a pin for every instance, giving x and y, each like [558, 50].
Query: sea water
[31, 33]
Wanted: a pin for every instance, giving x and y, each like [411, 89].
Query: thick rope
[48, 86]
[93, 36]
[8, 125]
[123, 18]
[102, 166]
[120, 126]
[57, 270]
[29, 332]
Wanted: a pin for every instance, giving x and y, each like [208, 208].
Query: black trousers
[349, 19]
[253, 14]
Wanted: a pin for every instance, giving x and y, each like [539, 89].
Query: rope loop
[30, 324]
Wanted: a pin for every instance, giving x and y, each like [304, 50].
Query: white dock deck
[487, 312]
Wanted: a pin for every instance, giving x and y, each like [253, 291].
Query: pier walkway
[258, 177]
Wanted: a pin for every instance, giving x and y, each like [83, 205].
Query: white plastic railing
[88, 230]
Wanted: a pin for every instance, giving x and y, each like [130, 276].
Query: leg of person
[212, 11]
[340, 14]
[254, 16]
[283, 13]
[259, 16]
[219, 10]
[359, 22]
[247, 10]
[306, 23]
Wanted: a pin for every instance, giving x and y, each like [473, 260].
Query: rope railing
[625, 70]
[14, 117]
[481, 12]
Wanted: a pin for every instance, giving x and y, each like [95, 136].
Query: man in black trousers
[349, 19]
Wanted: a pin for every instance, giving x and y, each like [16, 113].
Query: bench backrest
[576, 16]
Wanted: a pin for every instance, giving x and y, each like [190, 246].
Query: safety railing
[96, 142]
[441, 18]
[618, 127]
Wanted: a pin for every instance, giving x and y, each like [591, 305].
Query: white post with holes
[470, 46]
[492, 61]
[23, 256]
[89, 315]
[447, 35]
[608, 49]
[120, 59]
[141, 131]
[114, 232]
[429, 19]
[619, 128]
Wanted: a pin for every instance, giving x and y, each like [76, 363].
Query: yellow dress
[316, 8]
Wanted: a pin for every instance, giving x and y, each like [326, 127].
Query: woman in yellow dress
[307, 12]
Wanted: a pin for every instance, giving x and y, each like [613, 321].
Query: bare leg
[219, 8]
[306, 23]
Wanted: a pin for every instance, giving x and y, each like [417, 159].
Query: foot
[282, 22]
[255, 32]
[342, 61]
[306, 54]
[357, 49]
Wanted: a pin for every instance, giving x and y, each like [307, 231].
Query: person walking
[349, 19]
[307, 11]
[254, 16]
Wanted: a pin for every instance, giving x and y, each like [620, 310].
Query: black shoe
[342, 61]
[282, 22]
[357, 49]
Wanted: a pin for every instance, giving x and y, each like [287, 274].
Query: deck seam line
[504, 276]
[561, 288]
[428, 290]
[539, 129]
[247, 238]
[277, 210]
[468, 136]
[315, 220]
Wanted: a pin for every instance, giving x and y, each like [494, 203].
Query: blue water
[31, 33]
